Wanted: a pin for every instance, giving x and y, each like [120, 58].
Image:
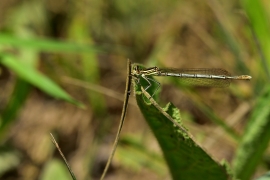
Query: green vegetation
[44, 44]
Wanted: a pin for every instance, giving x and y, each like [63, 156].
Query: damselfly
[197, 77]
[193, 77]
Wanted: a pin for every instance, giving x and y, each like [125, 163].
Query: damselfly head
[135, 70]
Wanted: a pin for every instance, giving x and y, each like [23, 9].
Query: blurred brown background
[178, 34]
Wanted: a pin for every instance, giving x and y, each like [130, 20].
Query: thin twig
[62, 155]
[123, 115]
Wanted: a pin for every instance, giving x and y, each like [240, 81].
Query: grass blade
[255, 140]
[46, 44]
[20, 93]
[260, 25]
[35, 78]
[122, 120]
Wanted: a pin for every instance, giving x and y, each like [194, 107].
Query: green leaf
[46, 44]
[35, 78]
[185, 159]
[255, 139]
[9, 159]
[55, 169]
